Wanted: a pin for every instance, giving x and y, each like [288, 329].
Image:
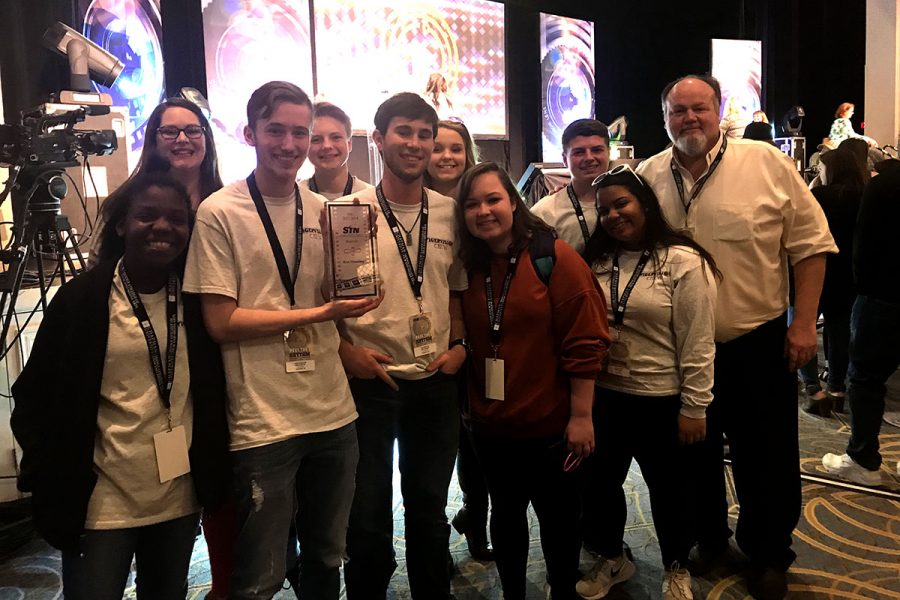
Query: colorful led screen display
[132, 31]
[369, 50]
[248, 44]
[567, 78]
[737, 64]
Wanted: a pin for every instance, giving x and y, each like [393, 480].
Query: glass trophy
[354, 261]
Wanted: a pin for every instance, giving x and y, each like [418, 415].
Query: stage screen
[737, 64]
[248, 44]
[132, 31]
[369, 50]
[567, 78]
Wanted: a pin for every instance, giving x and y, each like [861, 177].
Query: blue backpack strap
[543, 254]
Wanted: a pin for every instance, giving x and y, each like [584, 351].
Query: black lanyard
[348, 189]
[579, 212]
[495, 315]
[679, 180]
[414, 276]
[164, 379]
[619, 303]
[287, 280]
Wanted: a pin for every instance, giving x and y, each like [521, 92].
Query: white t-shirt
[387, 328]
[557, 211]
[358, 186]
[668, 327]
[230, 256]
[128, 492]
[755, 216]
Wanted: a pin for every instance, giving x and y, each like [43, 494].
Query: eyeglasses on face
[170, 132]
[619, 170]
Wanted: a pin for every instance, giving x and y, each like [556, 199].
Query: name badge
[618, 359]
[422, 334]
[297, 353]
[171, 454]
[494, 381]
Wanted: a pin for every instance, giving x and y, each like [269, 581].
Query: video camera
[47, 138]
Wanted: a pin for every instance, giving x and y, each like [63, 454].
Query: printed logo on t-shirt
[442, 244]
[313, 232]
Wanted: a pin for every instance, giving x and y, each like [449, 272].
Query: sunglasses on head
[619, 170]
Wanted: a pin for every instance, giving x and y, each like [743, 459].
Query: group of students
[564, 341]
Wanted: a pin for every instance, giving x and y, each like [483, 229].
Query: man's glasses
[170, 132]
[620, 170]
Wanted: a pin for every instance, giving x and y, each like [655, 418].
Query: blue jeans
[874, 356]
[316, 469]
[424, 419]
[163, 554]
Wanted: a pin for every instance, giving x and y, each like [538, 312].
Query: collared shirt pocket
[732, 223]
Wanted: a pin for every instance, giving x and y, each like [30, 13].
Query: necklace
[408, 232]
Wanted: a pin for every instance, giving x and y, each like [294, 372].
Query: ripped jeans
[320, 469]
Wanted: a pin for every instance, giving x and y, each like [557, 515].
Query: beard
[692, 145]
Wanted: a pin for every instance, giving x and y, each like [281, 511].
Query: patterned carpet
[848, 544]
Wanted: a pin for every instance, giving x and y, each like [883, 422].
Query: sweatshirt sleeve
[693, 322]
[580, 328]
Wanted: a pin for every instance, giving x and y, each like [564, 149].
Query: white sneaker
[603, 576]
[677, 584]
[846, 468]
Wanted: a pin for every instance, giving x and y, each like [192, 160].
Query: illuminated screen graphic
[132, 31]
[737, 64]
[248, 44]
[368, 50]
[567, 78]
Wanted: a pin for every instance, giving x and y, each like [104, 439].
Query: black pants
[520, 471]
[471, 481]
[646, 429]
[423, 416]
[755, 406]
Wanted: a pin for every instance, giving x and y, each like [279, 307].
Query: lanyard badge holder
[421, 327]
[170, 445]
[494, 375]
[298, 356]
[619, 352]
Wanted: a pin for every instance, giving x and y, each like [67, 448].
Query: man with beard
[403, 363]
[330, 143]
[749, 207]
[572, 211]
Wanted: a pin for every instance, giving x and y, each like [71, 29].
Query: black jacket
[57, 398]
[876, 250]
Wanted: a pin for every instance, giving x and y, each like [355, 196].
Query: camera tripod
[40, 234]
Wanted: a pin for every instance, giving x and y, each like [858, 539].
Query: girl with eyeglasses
[651, 400]
[123, 446]
[178, 131]
[536, 322]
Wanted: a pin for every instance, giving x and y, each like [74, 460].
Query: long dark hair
[210, 181]
[843, 168]
[115, 209]
[657, 231]
[475, 253]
